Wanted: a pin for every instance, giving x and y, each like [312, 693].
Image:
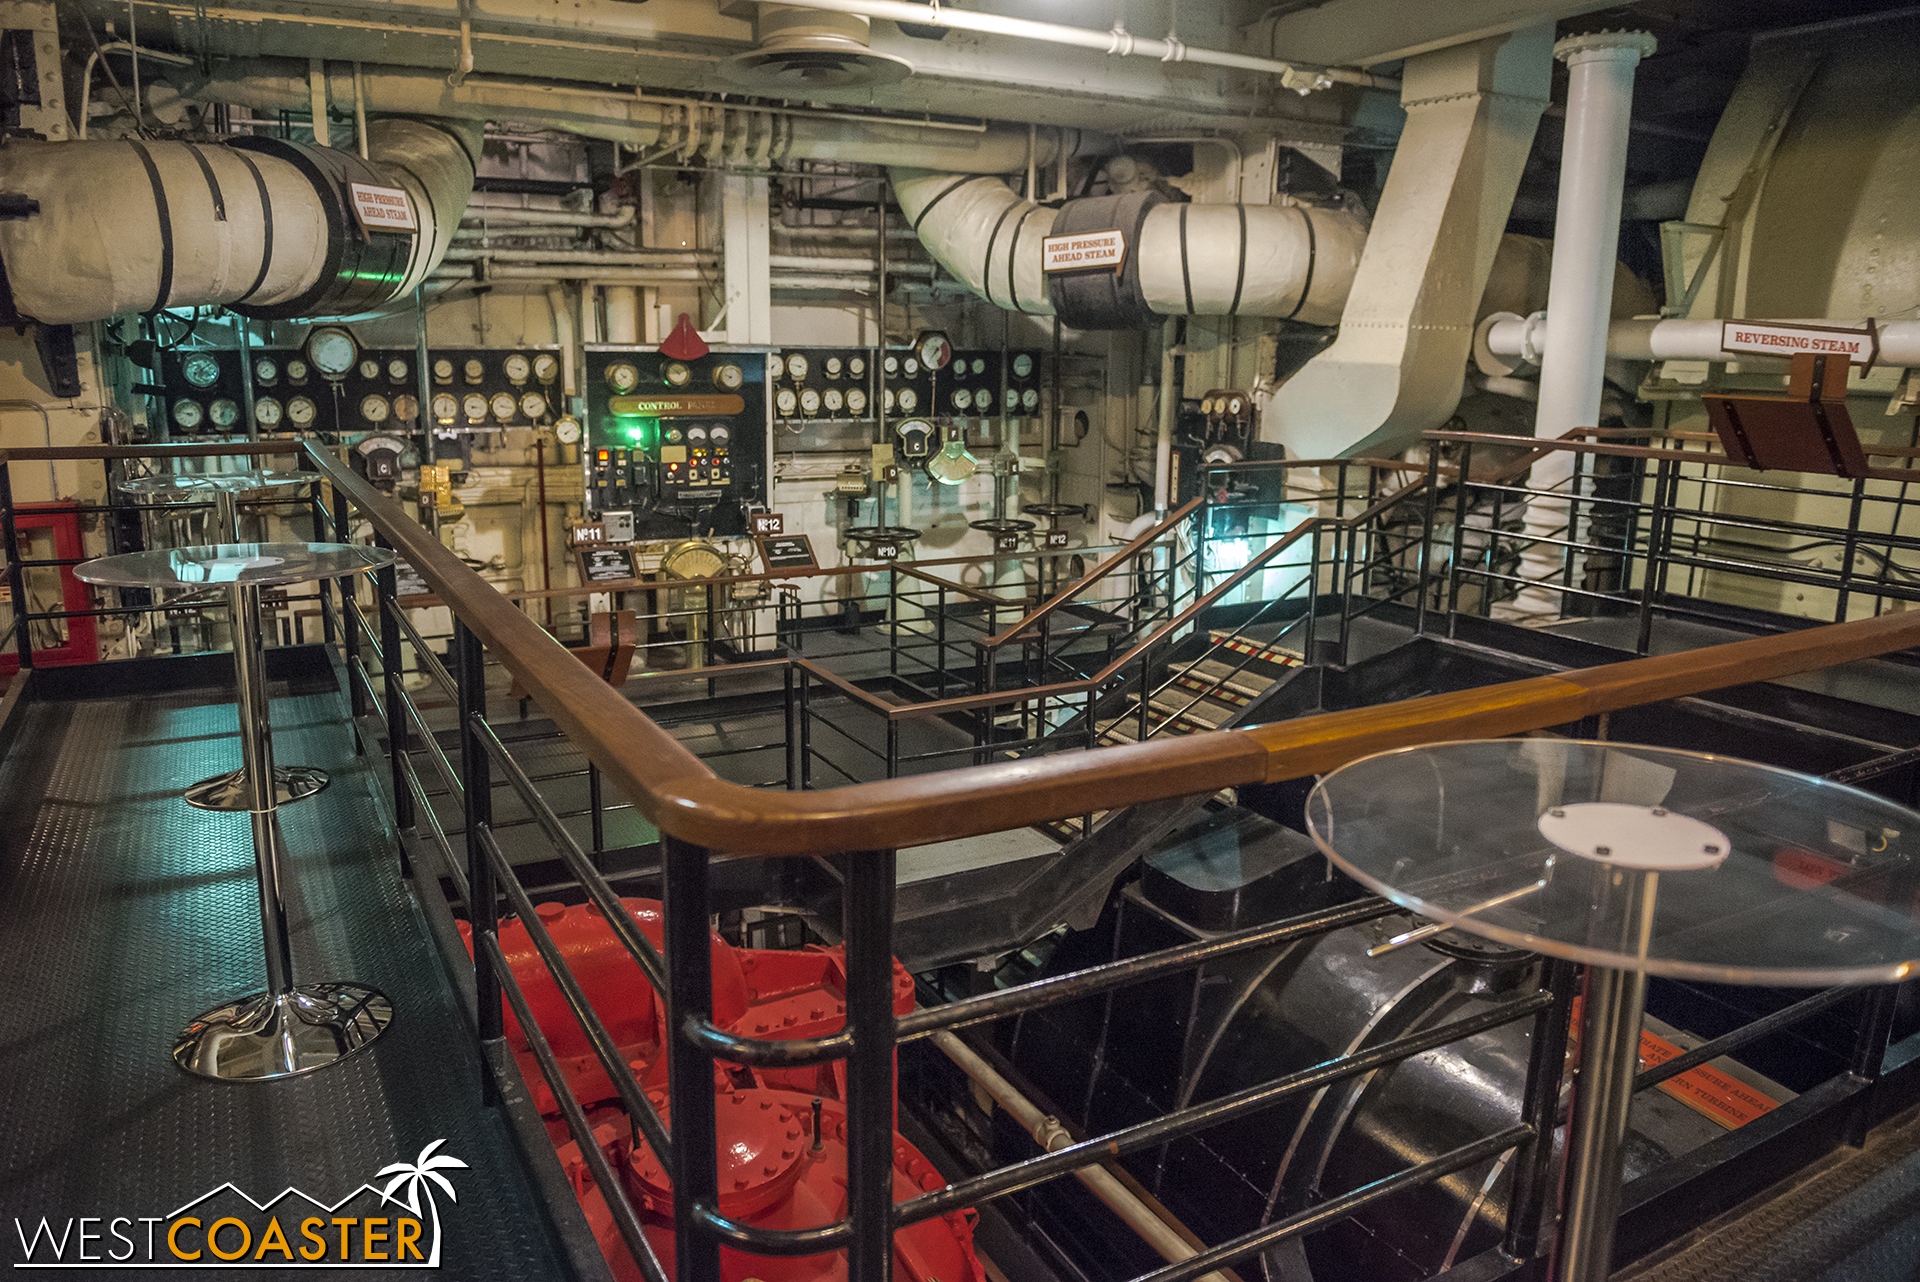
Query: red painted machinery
[781, 1165]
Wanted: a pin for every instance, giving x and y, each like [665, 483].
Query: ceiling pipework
[798, 50]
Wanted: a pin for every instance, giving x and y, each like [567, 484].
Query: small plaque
[766, 524]
[1056, 540]
[606, 564]
[1750, 338]
[887, 550]
[382, 208]
[1080, 252]
[786, 552]
[1006, 543]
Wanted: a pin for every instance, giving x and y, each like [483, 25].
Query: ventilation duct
[1292, 262]
[810, 49]
[263, 226]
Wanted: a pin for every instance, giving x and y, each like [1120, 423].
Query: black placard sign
[768, 523]
[1056, 539]
[787, 552]
[606, 564]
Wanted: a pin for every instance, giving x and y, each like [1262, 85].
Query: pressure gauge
[721, 435]
[474, 406]
[369, 369]
[566, 431]
[265, 372]
[983, 400]
[397, 371]
[776, 367]
[296, 371]
[533, 405]
[856, 366]
[1206, 405]
[962, 399]
[622, 378]
[1022, 365]
[266, 412]
[301, 411]
[443, 370]
[979, 365]
[546, 368]
[909, 400]
[887, 400]
[832, 366]
[1030, 399]
[503, 406]
[201, 370]
[856, 400]
[517, 368]
[188, 414]
[446, 407]
[809, 401]
[833, 400]
[474, 371]
[696, 434]
[375, 409]
[797, 367]
[223, 412]
[728, 377]
[891, 365]
[933, 349]
[406, 408]
[786, 402]
[332, 350]
[1235, 405]
[678, 375]
[910, 367]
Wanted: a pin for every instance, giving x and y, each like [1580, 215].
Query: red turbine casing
[771, 1174]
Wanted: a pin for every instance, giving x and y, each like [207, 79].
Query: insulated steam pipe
[1682, 339]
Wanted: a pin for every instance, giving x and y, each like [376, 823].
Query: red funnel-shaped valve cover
[685, 343]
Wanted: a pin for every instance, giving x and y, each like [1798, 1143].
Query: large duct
[1293, 262]
[262, 226]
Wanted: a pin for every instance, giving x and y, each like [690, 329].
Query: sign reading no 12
[1083, 250]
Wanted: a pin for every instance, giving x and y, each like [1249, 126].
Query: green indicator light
[643, 432]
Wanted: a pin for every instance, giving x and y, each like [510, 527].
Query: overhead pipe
[477, 215]
[1895, 343]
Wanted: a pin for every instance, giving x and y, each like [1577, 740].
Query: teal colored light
[643, 432]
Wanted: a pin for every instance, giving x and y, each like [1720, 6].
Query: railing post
[689, 1070]
[893, 619]
[940, 643]
[1653, 563]
[16, 573]
[893, 748]
[346, 590]
[1460, 501]
[476, 782]
[1848, 550]
[318, 511]
[868, 926]
[793, 728]
[1531, 1199]
[806, 732]
[393, 674]
[1869, 1054]
[1426, 538]
[596, 816]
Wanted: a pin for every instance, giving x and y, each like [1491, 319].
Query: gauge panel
[839, 377]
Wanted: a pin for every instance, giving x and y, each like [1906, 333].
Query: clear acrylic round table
[1637, 861]
[289, 1028]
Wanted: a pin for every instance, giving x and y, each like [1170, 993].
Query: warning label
[382, 208]
[1087, 249]
[1749, 338]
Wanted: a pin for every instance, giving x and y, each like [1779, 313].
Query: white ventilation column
[1586, 242]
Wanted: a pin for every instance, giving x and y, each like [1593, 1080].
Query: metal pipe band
[1102, 1148]
[1741, 1036]
[777, 1242]
[1110, 975]
[638, 1107]
[795, 1052]
[611, 909]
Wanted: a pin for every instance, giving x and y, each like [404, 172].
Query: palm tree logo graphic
[415, 1176]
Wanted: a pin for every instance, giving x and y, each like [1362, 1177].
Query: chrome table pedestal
[229, 791]
[1635, 861]
[289, 1028]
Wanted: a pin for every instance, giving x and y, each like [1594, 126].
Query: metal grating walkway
[124, 912]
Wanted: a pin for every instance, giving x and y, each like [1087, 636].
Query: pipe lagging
[1050, 1135]
[1699, 339]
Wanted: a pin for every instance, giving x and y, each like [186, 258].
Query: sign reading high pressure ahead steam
[1083, 250]
[382, 208]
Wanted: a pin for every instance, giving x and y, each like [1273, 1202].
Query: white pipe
[360, 110]
[480, 214]
[623, 313]
[317, 99]
[1696, 339]
[1050, 1135]
[563, 335]
[1299, 77]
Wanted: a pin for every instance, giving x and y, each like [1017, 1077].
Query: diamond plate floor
[124, 912]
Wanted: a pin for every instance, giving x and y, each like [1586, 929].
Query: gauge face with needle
[332, 351]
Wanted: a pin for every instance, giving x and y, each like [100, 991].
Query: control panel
[682, 444]
[854, 384]
[822, 383]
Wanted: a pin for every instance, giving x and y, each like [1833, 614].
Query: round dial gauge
[188, 414]
[1235, 405]
[223, 412]
[962, 399]
[934, 350]
[856, 401]
[504, 405]
[910, 367]
[443, 370]
[474, 405]
[369, 369]
[445, 407]
[622, 378]
[728, 377]
[201, 370]
[566, 431]
[546, 368]
[473, 371]
[887, 400]
[979, 364]
[265, 372]
[786, 402]
[266, 411]
[296, 371]
[856, 366]
[909, 400]
[301, 411]
[533, 405]
[797, 367]
[678, 375]
[1206, 405]
[518, 367]
[983, 400]
[1022, 365]
[809, 402]
[375, 409]
[397, 370]
[406, 408]
[892, 365]
[833, 400]
[1030, 399]
[332, 350]
[832, 366]
[696, 434]
[776, 366]
[721, 435]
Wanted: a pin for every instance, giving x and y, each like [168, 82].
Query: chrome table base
[268, 1035]
[230, 792]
